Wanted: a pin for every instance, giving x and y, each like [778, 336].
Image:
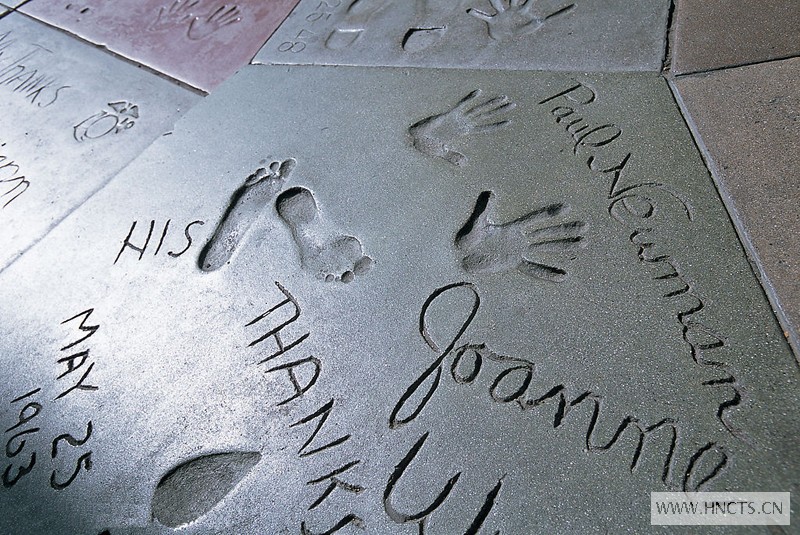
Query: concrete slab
[72, 117]
[13, 3]
[711, 34]
[330, 306]
[200, 42]
[748, 120]
[612, 35]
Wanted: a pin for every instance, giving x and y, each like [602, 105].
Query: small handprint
[434, 135]
[493, 248]
[170, 16]
[514, 18]
[202, 27]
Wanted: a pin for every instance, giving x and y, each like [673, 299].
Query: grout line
[250, 61]
[129, 61]
[737, 66]
[790, 333]
[100, 187]
[666, 63]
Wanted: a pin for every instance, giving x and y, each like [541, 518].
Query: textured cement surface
[200, 42]
[72, 117]
[711, 34]
[748, 119]
[584, 35]
[487, 302]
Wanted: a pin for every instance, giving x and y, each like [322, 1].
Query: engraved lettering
[127, 242]
[322, 414]
[335, 483]
[291, 368]
[90, 329]
[84, 461]
[188, 239]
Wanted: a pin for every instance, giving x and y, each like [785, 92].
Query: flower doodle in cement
[490, 247]
[514, 18]
[122, 117]
[436, 134]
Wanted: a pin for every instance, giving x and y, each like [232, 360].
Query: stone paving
[421, 267]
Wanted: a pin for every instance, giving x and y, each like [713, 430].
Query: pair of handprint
[486, 246]
[200, 26]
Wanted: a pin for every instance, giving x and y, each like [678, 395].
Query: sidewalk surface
[395, 266]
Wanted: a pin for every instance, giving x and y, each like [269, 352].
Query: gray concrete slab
[747, 120]
[711, 34]
[72, 117]
[318, 308]
[200, 42]
[13, 3]
[608, 35]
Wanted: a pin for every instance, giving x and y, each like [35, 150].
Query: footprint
[342, 38]
[490, 247]
[323, 250]
[194, 487]
[357, 15]
[363, 10]
[418, 39]
[247, 204]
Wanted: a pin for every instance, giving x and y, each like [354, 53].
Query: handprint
[202, 27]
[514, 18]
[170, 16]
[434, 135]
[493, 248]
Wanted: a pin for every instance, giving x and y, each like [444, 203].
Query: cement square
[72, 117]
[609, 35]
[200, 42]
[711, 34]
[752, 147]
[539, 295]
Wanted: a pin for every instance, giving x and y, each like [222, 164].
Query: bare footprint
[342, 38]
[419, 39]
[247, 204]
[357, 15]
[323, 250]
[363, 10]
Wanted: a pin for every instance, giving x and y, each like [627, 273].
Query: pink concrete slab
[710, 34]
[748, 120]
[200, 42]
